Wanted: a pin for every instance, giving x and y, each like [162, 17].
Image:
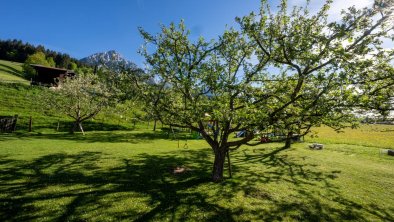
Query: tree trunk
[77, 124]
[80, 127]
[289, 139]
[218, 165]
[74, 127]
[30, 124]
[230, 172]
[154, 125]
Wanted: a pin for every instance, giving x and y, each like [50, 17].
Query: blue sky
[83, 27]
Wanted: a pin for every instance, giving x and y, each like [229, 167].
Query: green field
[373, 135]
[11, 72]
[127, 175]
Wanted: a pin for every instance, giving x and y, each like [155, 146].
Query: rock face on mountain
[111, 60]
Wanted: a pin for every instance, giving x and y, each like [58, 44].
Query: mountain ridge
[110, 59]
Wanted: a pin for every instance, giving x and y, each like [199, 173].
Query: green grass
[127, 175]
[22, 100]
[12, 72]
[373, 135]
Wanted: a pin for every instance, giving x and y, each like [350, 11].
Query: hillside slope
[11, 72]
[24, 100]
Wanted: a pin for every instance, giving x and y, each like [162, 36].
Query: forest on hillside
[18, 51]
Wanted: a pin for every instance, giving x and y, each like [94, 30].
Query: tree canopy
[80, 98]
[290, 69]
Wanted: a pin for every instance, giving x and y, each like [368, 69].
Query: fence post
[14, 122]
[30, 123]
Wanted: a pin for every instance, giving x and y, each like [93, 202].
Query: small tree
[36, 58]
[80, 98]
[73, 66]
[218, 88]
[51, 61]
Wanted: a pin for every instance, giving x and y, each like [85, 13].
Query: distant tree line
[18, 51]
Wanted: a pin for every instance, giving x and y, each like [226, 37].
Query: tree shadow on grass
[11, 70]
[94, 186]
[79, 178]
[309, 185]
[92, 137]
[65, 126]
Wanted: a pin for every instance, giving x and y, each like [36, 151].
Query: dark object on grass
[316, 146]
[390, 152]
[8, 123]
[265, 139]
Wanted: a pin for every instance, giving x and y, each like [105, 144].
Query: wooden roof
[50, 76]
[47, 67]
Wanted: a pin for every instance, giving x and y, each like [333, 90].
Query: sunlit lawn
[373, 135]
[128, 175]
[12, 72]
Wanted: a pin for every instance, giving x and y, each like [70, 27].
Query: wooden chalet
[50, 76]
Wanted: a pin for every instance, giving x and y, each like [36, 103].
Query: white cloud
[336, 7]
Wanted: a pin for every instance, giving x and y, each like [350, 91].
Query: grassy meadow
[128, 175]
[373, 135]
[125, 172]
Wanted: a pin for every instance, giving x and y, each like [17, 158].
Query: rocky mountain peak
[110, 59]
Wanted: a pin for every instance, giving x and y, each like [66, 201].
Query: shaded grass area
[127, 175]
[99, 137]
